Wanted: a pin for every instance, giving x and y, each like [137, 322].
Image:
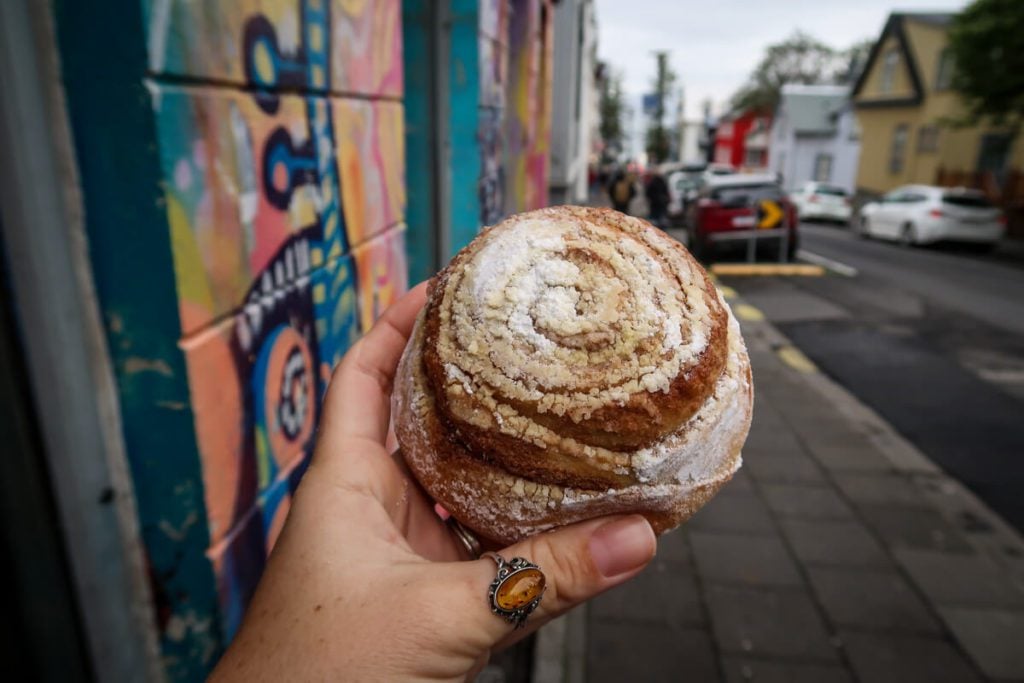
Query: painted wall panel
[528, 115]
[421, 129]
[239, 183]
[464, 163]
[266, 234]
[270, 43]
[371, 146]
[381, 264]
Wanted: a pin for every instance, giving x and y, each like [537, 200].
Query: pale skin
[366, 583]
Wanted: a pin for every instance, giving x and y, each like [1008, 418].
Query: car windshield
[686, 183]
[975, 201]
[745, 195]
[830, 190]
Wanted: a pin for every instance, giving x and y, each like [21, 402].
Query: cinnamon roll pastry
[569, 363]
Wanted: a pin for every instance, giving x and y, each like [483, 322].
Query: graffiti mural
[285, 202]
[513, 106]
[362, 42]
[528, 118]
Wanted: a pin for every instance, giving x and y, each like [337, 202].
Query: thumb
[578, 562]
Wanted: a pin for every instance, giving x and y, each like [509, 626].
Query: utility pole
[658, 143]
[679, 130]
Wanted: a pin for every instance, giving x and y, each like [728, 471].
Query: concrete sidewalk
[837, 553]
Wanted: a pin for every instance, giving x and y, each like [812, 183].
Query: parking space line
[795, 358]
[803, 269]
[727, 291]
[831, 264]
[748, 313]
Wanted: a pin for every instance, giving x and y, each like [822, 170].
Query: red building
[731, 140]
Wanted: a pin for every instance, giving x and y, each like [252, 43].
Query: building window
[823, 168]
[899, 149]
[944, 70]
[928, 139]
[889, 63]
[755, 158]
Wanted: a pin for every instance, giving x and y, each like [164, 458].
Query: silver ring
[517, 588]
[466, 537]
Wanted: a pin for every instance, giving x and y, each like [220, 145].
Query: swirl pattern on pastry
[575, 352]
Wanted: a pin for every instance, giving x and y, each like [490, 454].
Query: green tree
[986, 42]
[611, 109]
[658, 138]
[798, 59]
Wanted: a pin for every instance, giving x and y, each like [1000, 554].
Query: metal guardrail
[752, 237]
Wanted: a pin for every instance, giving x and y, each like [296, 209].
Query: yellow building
[904, 105]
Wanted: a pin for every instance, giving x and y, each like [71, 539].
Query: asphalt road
[932, 339]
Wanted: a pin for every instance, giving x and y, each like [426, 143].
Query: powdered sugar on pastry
[573, 362]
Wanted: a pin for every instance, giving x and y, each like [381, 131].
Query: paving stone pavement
[838, 553]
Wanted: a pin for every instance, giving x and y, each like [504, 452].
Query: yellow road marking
[727, 291]
[748, 312]
[794, 358]
[803, 269]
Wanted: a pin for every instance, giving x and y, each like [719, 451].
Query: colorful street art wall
[243, 181]
[514, 106]
[494, 59]
[242, 168]
[285, 202]
[528, 120]
[500, 110]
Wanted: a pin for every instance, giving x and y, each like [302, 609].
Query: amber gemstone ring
[516, 590]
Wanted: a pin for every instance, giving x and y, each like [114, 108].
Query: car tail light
[813, 199]
[846, 200]
[936, 213]
[1001, 219]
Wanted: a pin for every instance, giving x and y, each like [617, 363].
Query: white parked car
[821, 201]
[923, 214]
[682, 188]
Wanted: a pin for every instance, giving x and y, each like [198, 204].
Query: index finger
[358, 402]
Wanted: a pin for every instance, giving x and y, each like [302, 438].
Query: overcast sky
[715, 44]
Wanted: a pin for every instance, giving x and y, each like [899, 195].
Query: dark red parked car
[743, 212]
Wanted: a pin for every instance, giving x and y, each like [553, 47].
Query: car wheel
[908, 236]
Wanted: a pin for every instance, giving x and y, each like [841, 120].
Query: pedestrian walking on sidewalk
[657, 198]
[621, 190]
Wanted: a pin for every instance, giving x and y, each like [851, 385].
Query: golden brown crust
[566, 365]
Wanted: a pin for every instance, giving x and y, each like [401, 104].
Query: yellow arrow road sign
[771, 214]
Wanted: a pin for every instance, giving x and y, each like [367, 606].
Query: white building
[574, 105]
[815, 136]
[690, 132]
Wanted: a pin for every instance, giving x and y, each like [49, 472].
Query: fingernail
[622, 546]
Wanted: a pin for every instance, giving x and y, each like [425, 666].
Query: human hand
[365, 581]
